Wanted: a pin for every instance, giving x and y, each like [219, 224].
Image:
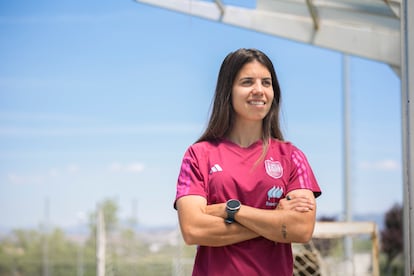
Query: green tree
[62, 254]
[392, 237]
[21, 253]
[109, 208]
[30, 252]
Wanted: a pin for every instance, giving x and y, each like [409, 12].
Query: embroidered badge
[274, 168]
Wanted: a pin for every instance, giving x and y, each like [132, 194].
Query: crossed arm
[292, 221]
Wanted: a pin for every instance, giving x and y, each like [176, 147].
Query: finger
[303, 209]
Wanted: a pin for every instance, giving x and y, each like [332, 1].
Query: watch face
[233, 204]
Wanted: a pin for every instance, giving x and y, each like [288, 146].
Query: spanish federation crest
[274, 168]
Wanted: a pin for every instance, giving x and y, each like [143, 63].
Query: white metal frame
[357, 30]
[407, 106]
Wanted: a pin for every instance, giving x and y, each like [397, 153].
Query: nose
[257, 88]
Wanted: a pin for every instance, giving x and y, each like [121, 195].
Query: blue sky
[100, 99]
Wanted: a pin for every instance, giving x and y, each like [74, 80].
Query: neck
[246, 134]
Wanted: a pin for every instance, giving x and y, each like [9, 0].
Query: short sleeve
[301, 175]
[190, 179]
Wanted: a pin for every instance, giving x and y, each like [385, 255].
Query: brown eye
[267, 83]
[246, 82]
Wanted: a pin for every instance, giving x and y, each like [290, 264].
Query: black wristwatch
[232, 207]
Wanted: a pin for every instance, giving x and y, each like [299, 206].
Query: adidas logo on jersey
[215, 168]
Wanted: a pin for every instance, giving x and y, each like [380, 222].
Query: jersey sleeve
[190, 179]
[301, 175]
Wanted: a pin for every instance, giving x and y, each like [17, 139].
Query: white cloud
[72, 168]
[57, 131]
[115, 167]
[42, 177]
[381, 165]
[53, 172]
[134, 167]
[21, 179]
[39, 118]
[15, 178]
[81, 216]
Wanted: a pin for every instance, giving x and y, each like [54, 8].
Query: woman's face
[252, 94]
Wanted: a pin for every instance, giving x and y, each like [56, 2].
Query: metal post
[347, 162]
[45, 270]
[80, 260]
[100, 244]
[80, 270]
[407, 109]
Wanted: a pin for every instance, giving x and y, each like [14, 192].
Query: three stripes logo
[216, 168]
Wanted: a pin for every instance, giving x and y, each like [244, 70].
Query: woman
[243, 194]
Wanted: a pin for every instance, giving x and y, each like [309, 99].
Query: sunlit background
[100, 99]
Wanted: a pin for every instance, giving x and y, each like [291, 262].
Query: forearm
[292, 221]
[278, 225]
[211, 230]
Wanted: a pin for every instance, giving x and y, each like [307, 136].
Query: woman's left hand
[296, 203]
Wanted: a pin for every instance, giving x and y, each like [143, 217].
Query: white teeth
[257, 102]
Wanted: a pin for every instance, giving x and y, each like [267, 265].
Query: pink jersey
[222, 171]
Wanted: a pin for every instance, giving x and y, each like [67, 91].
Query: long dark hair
[222, 114]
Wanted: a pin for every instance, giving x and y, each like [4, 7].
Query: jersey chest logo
[273, 196]
[274, 168]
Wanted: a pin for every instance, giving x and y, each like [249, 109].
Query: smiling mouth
[257, 102]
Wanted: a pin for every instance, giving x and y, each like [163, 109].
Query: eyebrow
[250, 78]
